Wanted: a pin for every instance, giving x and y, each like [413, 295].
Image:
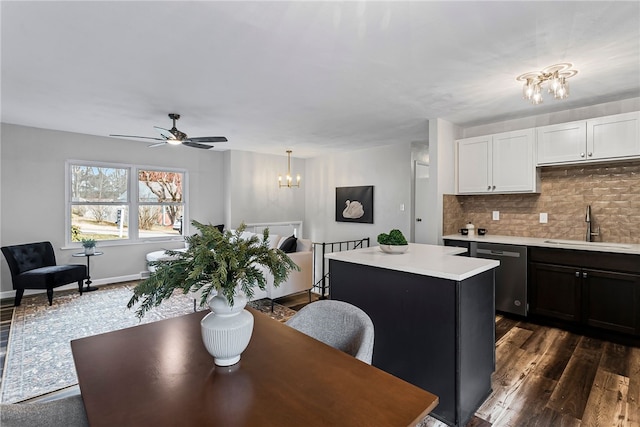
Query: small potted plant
[89, 246]
[393, 243]
[221, 264]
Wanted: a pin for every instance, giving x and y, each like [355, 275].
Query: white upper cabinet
[474, 165]
[604, 138]
[500, 163]
[562, 143]
[614, 136]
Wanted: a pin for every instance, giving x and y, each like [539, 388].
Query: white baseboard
[72, 286]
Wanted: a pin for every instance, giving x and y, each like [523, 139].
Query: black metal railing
[321, 281]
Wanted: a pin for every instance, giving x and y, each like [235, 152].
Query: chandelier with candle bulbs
[288, 180]
[555, 76]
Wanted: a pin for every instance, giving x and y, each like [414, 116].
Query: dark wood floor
[550, 377]
[544, 377]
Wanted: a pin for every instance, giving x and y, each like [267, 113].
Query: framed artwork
[354, 204]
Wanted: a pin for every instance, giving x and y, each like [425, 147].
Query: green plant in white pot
[394, 242]
[220, 263]
[89, 246]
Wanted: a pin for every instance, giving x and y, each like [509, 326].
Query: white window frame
[132, 202]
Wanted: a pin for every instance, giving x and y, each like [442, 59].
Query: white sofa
[298, 281]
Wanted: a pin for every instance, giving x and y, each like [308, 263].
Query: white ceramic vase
[226, 331]
[90, 251]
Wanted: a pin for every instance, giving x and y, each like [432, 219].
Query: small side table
[88, 288]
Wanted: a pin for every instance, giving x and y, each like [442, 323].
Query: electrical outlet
[543, 218]
[496, 215]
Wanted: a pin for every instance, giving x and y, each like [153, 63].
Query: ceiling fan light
[174, 141]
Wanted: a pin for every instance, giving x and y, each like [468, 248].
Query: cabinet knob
[494, 187]
[488, 187]
[589, 154]
[418, 219]
[577, 274]
[584, 275]
[581, 154]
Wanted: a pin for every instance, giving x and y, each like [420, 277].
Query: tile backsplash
[612, 190]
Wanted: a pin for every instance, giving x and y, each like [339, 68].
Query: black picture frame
[361, 211]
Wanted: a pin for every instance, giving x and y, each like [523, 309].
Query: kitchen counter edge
[622, 248]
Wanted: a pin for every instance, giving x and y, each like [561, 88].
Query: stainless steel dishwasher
[510, 276]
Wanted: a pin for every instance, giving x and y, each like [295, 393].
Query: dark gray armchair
[33, 266]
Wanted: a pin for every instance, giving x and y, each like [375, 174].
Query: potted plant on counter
[393, 243]
[221, 264]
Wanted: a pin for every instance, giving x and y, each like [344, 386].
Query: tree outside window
[100, 204]
[160, 203]
[97, 195]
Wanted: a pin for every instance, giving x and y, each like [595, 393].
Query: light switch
[401, 207]
[496, 215]
[543, 218]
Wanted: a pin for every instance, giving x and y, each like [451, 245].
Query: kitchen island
[434, 319]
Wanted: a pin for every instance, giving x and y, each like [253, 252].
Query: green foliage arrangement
[88, 243]
[214, 261]
[394, 238]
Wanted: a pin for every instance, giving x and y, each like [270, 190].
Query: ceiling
[309, 76]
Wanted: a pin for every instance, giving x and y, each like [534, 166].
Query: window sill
[114, 243]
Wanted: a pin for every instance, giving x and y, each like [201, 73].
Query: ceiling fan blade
[188, 143]
[157, 144]
[140, 137]
[208, 139]
[166, 133]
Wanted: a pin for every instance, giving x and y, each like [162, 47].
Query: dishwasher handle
[498, 253]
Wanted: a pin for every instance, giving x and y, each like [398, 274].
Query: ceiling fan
[175, 137]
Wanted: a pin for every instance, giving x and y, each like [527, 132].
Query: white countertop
[426, 260]
[624, 248]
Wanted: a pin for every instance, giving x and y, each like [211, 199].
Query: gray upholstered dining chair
[338, 324]
[65, 412]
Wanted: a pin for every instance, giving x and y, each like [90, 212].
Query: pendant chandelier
[556, 76]
[288, 180]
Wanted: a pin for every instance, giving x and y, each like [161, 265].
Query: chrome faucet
[587, 219]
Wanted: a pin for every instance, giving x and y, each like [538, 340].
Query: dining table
[160, 374]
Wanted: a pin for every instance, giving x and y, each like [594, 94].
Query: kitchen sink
[588, 244]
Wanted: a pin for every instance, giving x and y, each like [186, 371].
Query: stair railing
[321, 282]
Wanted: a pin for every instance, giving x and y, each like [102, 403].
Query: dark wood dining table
[160, 374]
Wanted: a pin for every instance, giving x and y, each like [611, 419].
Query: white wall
[442, 136]
[388, 169]
[606, 109]
[33, 189]
[252, 192]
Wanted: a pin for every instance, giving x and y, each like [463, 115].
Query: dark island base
[435, 333]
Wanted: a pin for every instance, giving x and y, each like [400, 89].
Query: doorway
[421, 214]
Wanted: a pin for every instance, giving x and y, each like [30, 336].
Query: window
[109, 202]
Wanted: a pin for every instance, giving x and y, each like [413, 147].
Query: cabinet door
[562, 143]
[613, 137]
[474, 164]
[611, 300]
[514, 168]
[555, 291]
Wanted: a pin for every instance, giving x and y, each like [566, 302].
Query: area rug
[39, 358]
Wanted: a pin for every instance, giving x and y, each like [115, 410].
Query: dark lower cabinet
[600, 296]
[611, 300]
[555, 291]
